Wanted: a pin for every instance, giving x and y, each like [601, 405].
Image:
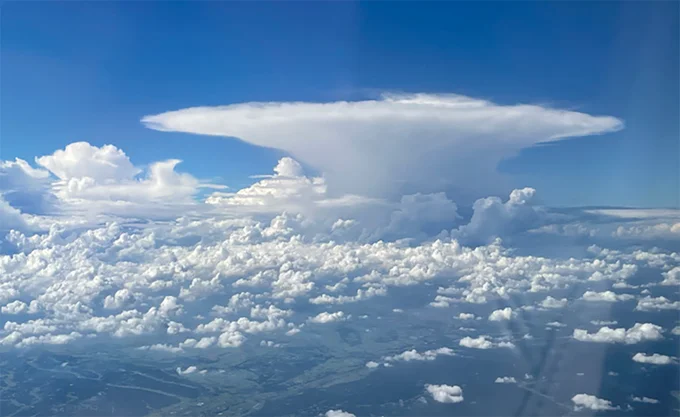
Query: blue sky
[89, 71]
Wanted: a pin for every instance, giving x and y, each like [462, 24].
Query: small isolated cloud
[505, 380]
[604, 322]
[414, 355]
[501, 315]
[445, 393]
[654, 359]
[466, 316]
[483, 342]
[646, 400]
[553, 303]
[655, 304]
[638, 333]
[338, 413]
[591, 402]
[326, 317]
[555, 324]
[189, 370]
[676, 330]
[607, 296]
[371, 364]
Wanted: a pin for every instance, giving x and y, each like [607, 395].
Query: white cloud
[555, 324]
[672, 277]
[189, 370]
[638, 333]
[476, 343]
[676, 330]
[591, 402]
[371, 364]
[80, 160]
[414, 355]
[492, 218]
[445, 393]
[466, 316]
[645, 400]
[607, 296]
[419, 134]
[326, 317]
[655, 304]
[15, 307]
[338, 413]
[501, 315]
[603, 322]
[553, 303]
[505, 380]
[654, 359]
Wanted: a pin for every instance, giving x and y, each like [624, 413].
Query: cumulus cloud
[591, 402]
[607, 296]
[501, 315]
[654, 359]
[414, 355]
[492, 218]
[338, 413]
[372, 364]
[326, 317]
[419, 134]
[553, 303]
[640, 332]
[505, 380]
[655, 304]
[466, 316]
[445, 393]
[483, 342]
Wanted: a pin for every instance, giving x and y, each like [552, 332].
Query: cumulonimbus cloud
[417, 142]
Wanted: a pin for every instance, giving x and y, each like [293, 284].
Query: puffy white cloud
[676, 330]
[372, 364]
[654, 304]
[445, 393]
[15, 307]
[640, 332]
[492, 218]
[553, 303]
[672, 277]
[326, 317]
[338, 413]
[95, 180]
[419, 134]
[608, 296]
[591, 402]
[80, 160]
[466, 316]
[414, 355]
[555, 324]
[654, 359]
[501, 315]
[646, 400]
[483, 342]
[118, 300]
[506, 380]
